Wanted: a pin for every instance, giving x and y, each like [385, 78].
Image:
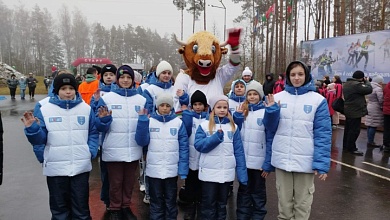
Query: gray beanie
[254, 85]
[378, 79]
[164, 98]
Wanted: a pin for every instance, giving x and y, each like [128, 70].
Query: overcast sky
[160, 15]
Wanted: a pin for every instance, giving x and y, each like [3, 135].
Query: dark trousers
[104, 193]
[69, 196]
[31, 91]
[214, 200]
[386, 131]
[193, 186]
[12, 92]
[163, 194]
[251, 198]
[121, 177]
[351, 133]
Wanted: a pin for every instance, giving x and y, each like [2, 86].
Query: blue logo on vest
[259, 121]
[307, 108]
[55, 119]
[81, 120]
[230, 135]
[154, 129]
[283, 105]
[137, 108]
[173, 131]
[116, 106]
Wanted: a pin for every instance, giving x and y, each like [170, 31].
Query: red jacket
[386, 99]
[330, 97]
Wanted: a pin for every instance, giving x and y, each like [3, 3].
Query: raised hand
[143, 111]
[96, 95]
[180, 93]
[234, 37]
[240, 109]
[28, 119]
[270, 100]
[103, 111]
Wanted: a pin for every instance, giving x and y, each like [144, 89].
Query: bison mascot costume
[202, 54]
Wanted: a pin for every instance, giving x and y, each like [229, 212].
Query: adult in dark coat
[355, 107]
[269, 83]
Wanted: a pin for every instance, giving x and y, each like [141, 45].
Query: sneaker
[357, 153]
[142, 187]
[147, 199]
[128, 214]
[373, 145]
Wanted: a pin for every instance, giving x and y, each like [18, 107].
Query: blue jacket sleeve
[139, 90]
[184, 152]
[271, 117]
[37, 133]
[187, 121]
[206, 144]
[94, 103]
[38, 149]
[322, 135]
[238, 119]
[93, 135]
[102, 124]
[184, 99]
[142, 135]
[149, 101]
[269, 137]
[239, 154]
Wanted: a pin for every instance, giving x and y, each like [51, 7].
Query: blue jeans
[251, 198]
[214, 200]
[163, 194]
[22, 93]
[69, 196]
[371, 134]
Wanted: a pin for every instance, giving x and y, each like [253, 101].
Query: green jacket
[354, 91]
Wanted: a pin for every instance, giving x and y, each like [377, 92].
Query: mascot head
[202, 54]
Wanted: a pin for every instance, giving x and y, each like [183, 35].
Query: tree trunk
[295, 30]
[342, 18]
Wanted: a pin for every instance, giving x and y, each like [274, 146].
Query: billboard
[368, 52]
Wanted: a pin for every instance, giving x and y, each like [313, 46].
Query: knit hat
[213, 100]
[247, 72]
[125, 69]
[235, 82]
[164, 98]
[137, 77]
[64, 79]
[163, 66]
[108, 68]
[358, 74]
[378, 79]
[254, 85]
[198, 96]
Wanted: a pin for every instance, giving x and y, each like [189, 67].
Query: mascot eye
[213, 49]
[195, 48]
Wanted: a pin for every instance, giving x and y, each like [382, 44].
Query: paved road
[358, 188]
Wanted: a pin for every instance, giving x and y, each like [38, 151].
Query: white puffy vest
[293, 145]
[163, 151]
[253, 139]
[119, 144]
[66, 151]
[194, 154]
[219, 164]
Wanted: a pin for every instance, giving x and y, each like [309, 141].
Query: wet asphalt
[357, 188]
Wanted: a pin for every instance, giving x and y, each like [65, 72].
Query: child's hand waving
[28, 119]
[270, 100]
[103, 111]
[240, 109]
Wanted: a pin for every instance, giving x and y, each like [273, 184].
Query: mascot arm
[226, 72]
[181, 82]
[234, 41]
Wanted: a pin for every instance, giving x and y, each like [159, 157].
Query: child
[257, 132]
[65, 126]
[237, 96]
[163, 84]
[302, 143]
[117, 117]
[90, 85]
[108, 73]
[192, 118]
[23, 86]
[167, 155]
[219, 142]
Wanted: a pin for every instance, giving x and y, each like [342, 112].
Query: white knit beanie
[213, 100]
[247, 72]
[137, 77]
[254, 85]
[378, 79]
[164, 98]
[163, 66]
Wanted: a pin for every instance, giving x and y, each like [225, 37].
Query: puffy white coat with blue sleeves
[167, 141]
[67, 130]
[303, 139]
[221, 153]
[119, 143]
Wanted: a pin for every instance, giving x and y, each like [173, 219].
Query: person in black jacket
[355, 107]
[32, 84]
[269, 83]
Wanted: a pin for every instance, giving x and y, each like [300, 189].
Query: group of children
[248, 134]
